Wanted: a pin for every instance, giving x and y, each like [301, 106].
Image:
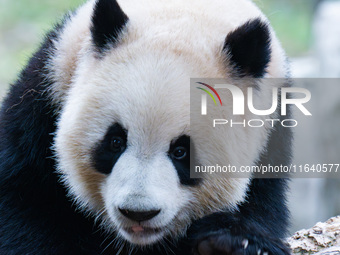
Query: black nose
[139, 215]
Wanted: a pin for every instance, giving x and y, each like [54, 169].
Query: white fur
[143, 84]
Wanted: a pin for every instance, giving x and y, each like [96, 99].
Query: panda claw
[224, 243]
[245, 243]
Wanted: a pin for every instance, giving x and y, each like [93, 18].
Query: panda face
[123, 137]
[123, 147]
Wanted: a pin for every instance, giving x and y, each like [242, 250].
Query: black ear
[108, 20]
[249, 48]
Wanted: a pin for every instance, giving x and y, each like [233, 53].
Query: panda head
[122, 77]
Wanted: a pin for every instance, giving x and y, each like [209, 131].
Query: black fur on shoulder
[36, 217]
[248, 48]
[108, 20]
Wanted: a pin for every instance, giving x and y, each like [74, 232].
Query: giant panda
[95, 135]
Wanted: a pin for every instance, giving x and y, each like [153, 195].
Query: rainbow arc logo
[209, 93]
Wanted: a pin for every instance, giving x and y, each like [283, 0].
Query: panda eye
[180, 149]
[179, 153]
[117, 144]
[107, 151]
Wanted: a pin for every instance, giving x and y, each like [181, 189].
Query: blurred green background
[24, 22]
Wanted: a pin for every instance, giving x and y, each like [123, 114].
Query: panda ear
[248, 48]
[108, 20]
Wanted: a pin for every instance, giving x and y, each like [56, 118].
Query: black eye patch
[179, 153]
[107, 152]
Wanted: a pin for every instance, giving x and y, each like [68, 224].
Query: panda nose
[139, 215]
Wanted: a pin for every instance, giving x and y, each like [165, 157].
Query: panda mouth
[143, 231]
[141, 235]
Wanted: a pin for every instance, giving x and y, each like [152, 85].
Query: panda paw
[228, 244]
